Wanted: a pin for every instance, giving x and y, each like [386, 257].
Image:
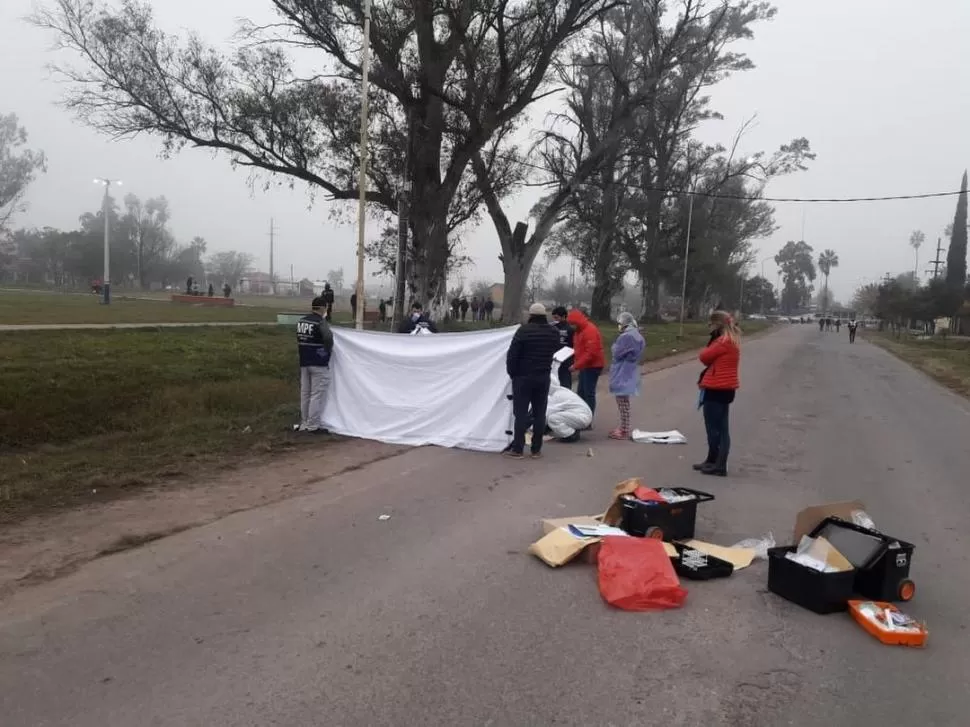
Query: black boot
[717, 468]
[711, 459]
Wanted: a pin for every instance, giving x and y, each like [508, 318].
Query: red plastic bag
[636, 574]
[647, 494]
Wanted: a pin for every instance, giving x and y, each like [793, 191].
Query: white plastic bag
[862, 519]
[758, 545]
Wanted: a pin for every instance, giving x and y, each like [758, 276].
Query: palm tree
[826, 261]
[916, 241]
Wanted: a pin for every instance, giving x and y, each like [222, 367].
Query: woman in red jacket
[718, 384]
[588, 358]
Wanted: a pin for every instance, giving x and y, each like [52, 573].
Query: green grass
[946, 360]
[46, 308]
[114, 410]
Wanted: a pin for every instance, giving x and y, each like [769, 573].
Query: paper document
[583, 530]
[562, 354]
[671, 437]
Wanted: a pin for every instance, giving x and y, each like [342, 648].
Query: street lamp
[362, 179]
[106, 279]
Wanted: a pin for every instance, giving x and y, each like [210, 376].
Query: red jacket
[722, 358]
[587, 343]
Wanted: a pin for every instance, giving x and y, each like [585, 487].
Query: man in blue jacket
[315, 342]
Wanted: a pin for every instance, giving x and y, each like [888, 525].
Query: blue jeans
[716, 421]
[586, 388]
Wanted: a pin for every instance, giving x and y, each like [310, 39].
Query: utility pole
[683, 287]
[272, 239]
[939, 261]
[362, 177]
[403, 211]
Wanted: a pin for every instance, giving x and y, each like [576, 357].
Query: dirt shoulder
[50, 545]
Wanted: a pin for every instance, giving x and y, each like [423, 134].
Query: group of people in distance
[480, 310]
[529, 363]
[826, 324]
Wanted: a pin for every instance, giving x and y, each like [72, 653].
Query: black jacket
[408, 325]
[315, 340]
[565, 340]
[328, 296]
[532, 349]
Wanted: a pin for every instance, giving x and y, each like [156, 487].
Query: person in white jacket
[567, 414]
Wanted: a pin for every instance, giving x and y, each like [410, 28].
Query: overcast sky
[878, 87]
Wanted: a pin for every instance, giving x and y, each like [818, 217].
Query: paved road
[314, 612]
[96, 326]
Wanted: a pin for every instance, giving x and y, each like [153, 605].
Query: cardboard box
[807, 520]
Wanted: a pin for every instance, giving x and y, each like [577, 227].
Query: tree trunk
[517, 259]
[428, 268]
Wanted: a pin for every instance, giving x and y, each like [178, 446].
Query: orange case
[893, 638]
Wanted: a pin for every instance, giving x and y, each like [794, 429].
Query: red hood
[577, 319]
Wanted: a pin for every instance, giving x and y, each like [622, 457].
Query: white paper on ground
[595, 531]
[450, 389]
[671, 437]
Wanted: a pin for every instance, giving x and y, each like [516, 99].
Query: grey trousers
[314, 385]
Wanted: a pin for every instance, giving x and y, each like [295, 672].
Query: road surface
[315, 612]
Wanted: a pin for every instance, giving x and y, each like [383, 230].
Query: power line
[748, 198]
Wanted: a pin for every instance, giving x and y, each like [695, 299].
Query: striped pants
[623, 404]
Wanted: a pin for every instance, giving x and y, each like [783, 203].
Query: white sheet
[448, 389]
[671, 437]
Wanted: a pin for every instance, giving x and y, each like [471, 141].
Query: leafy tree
[759, 295]
[147, 225]
[798, 272]
[916, 240]
[866, 299]
[336, 280]
[459, 71]
[828, 260]
[18, 167]
[229, 266]
[561, 291]
[956, 257]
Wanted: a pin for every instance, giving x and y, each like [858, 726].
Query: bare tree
[459, 71]
[229, 266]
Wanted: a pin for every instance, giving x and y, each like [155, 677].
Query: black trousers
[716, 422]
[565, 375]
[529, 392]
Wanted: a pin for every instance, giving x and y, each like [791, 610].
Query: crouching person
[315, 341]
[567, 414]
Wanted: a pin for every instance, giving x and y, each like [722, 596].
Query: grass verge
[946, 360]
[19, 308]
[91, 415]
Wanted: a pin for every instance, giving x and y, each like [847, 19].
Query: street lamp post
[106, 278]
[362, 179]
[766, 280]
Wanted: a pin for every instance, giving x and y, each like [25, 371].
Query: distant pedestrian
[188, 285]
[853, 326]
[718, 385]
[353, 305]
[212, 290]
[625, 370]
[529, 363]
[464, 308]
[565, 330]
[489, 309]
[382, 310]
[821, 324]
[455, 308]
[476, 306]
[226, 290]
[838, 325]
[589, 358]
[327, 296]
[315, 341]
